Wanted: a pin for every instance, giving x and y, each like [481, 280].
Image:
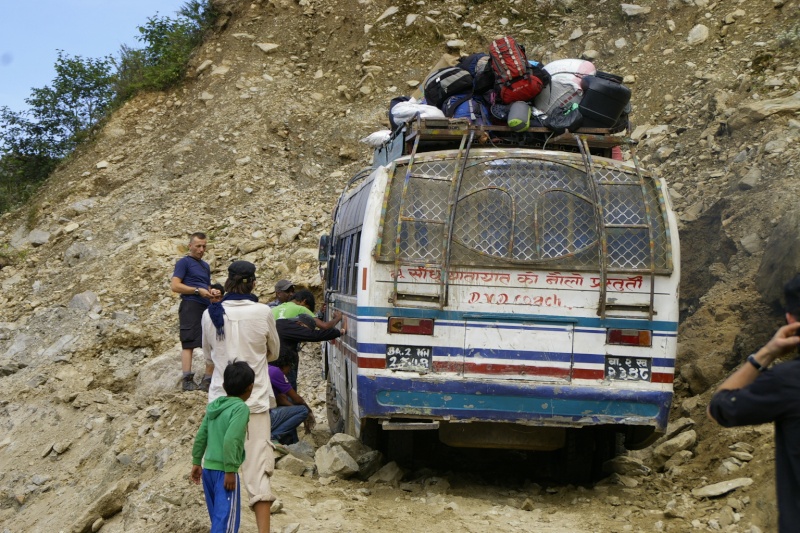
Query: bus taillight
[411, 326]
[629, 337]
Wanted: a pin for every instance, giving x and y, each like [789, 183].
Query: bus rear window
[518, 211]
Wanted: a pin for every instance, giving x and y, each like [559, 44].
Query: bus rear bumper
[521, 403]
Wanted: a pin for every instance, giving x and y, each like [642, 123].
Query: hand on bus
[343, 329]
[337, 315]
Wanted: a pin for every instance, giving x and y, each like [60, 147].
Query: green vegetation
[9, 256]
[790, 38]
[65, 114]
[168, 46]
[59, 118]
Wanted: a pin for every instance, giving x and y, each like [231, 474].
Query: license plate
[628, 368]
[413, 358]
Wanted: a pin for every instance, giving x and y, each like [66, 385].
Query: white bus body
[503, 297]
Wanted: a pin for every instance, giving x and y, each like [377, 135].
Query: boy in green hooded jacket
[219, 447]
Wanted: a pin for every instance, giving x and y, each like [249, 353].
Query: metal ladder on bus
[443, 265]
[595, 183]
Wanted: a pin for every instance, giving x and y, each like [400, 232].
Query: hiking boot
[188, 383]
[205, 384]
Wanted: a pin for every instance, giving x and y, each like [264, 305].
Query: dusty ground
[254, 148]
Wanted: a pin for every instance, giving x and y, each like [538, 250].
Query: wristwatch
[753, 361]
[197, 291]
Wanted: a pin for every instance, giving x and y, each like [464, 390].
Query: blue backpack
[465, 106]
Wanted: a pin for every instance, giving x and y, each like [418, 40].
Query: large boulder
[334, 461]
[163, 373]
[757, 111]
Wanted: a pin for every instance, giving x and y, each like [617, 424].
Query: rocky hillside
[253, 149]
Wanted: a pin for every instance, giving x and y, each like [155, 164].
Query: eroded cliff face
[254, 148]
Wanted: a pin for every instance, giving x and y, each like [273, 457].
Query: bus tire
[370, 433]
[576, 457]
[585, 453]
[400, 447]
[335, 418]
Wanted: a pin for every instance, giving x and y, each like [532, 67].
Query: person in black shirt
[756, 395]
[192, 280]
[303, 328]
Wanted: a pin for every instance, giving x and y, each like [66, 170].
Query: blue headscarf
[217, 313]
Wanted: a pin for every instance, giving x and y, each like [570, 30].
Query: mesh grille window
[525, 212]
[485, 222]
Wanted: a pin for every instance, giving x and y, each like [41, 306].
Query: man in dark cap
[756, 394]
[284, 290]
[240, 329]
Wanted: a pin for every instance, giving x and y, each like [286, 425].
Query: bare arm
[296, 398]
[783, 342]
[282, 400]
[337, 317]
[310, 422]
[177, 285]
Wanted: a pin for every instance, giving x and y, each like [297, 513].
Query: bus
[504, 290]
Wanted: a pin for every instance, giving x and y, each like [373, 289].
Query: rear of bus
[510, 300]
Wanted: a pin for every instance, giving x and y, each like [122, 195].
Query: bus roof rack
[445, 134]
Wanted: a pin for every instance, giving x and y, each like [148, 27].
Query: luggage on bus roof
[493, 78]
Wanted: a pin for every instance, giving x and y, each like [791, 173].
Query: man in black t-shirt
[192, 280]
[755, 394]
[303, 328]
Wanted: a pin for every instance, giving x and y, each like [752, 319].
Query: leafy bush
[201, 13]
[168, 46]
[64, 115]
[20, 176]
[59, 117]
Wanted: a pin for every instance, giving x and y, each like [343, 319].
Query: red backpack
[515, 79]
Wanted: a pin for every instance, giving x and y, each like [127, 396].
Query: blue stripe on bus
[379, 315]
[453, 351]
[373, 320]
[585, 322]
[518, 355]
[589, 358]
[380, 349]
[512, 402]
[598, 358]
